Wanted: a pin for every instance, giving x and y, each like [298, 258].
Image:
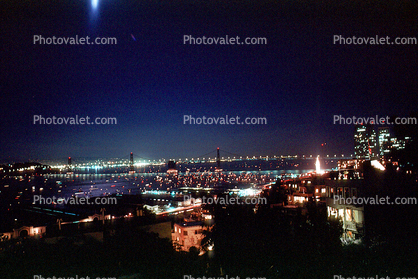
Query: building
[349, 169]
[188, 234]
[340, 205]
[336, 190]
[398, 144]
[388, 143]
[172, 168]
[299, 198]
[297, 194]
[365, 142]
[367, 148]
[385, 144]
[24, 231]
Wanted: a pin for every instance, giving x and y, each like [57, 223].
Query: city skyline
[371, 141]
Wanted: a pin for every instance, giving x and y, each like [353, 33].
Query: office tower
[385, 144]
[365, 142]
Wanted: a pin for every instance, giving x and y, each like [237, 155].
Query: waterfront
[22, 188]
[152, 189]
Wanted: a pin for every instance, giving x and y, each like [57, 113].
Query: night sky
[150, 79]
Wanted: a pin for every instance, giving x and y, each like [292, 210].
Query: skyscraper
[398, 144]
[365, 142]
[385, 144]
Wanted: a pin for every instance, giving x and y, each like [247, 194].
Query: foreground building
[188, 234]
[24, 231]
[340, 205]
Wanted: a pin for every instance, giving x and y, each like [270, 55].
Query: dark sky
[298, 81]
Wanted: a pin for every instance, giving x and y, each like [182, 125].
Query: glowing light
[141, 164]
[377, 165]
[318, 166]
[94, 3]
[248, 192]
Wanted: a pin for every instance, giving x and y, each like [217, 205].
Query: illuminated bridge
[210, 157]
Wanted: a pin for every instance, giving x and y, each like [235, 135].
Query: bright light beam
[94, 3]
[318, 166]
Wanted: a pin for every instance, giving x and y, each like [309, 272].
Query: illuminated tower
[218, 161]
[172, 168]
[318, 166]
[131, 164]
[365, 142]
[384, 141]
[69, 171]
